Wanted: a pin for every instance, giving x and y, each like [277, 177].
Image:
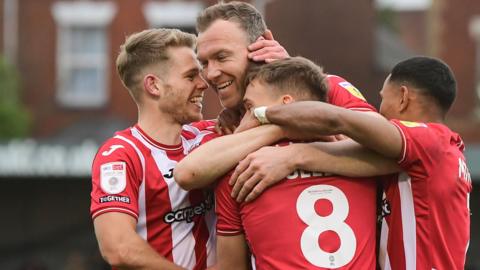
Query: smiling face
[182, 86]
[222, 51]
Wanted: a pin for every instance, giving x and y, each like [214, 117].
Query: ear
[152, 85]
[405, 96]
[287, 99]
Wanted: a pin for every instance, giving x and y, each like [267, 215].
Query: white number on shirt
[317, 224]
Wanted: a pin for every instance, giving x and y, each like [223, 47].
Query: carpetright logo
[188, 213]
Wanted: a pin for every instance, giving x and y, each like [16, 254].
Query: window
[180, 15]
[82, 53]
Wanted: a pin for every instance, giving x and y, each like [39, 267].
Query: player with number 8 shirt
[309, 220]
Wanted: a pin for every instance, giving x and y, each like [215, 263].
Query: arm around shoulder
[319, 118]
[215, 158]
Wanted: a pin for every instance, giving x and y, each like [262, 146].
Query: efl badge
[350, 88]
[113, 177]
[412, 124]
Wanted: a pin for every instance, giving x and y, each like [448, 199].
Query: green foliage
[14, 119]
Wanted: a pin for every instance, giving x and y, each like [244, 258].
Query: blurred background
[60, 96]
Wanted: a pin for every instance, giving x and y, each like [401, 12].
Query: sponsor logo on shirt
[113, 198]
[169, 175]
[352, 90]
[112, 148]
[113, 177]
[188, 213]
[413, 124]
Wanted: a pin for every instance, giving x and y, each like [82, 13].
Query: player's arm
[345, 157]
[122, 247]
[318, 118]
[232, 252]
[269, 165]
[215, 158]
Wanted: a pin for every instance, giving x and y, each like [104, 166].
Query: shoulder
[344, 94]
[421, 140]
[121, 147]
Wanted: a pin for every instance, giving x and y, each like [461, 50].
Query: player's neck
[423, 116]
[160, 128]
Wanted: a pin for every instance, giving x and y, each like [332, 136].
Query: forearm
[305, 117]
[318, 118]
[217, 157]
[123, 248]
[140, 255]
[343, 158]
[232, 253]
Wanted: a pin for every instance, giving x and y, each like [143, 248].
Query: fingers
[241, 167]
[263, 43]
[242, 178]
[218, 129]
[249, 185]
[265, 52]
[228, 130]
[268, 35]
[259, 189]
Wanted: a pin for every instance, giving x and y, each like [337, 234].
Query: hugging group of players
[288, 175]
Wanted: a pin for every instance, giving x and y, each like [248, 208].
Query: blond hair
[146, 48]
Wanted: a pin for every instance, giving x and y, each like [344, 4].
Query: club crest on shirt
[413, 124]
[113, 177]
[352, 90]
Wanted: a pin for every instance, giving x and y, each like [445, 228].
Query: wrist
[261, 114]
[295, 161]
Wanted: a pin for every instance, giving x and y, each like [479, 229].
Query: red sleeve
[343, 94]
[116, 176]
[418, 143]
[227, 210]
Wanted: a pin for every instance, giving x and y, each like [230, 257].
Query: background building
[63, 53]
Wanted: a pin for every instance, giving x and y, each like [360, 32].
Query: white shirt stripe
[182, 237]
[142, 214]
[408, 220]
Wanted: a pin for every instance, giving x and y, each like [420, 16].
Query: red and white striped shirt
[426, 221]
[133, 174]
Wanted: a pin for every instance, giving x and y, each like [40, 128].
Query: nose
[202, 83]
[211, 72]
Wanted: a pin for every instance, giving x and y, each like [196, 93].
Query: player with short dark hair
[426, 205]
[310, 220]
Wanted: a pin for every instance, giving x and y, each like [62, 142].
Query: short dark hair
[431, 76]
[296, 75]
[246, 15]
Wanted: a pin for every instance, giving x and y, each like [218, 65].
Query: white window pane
[85, 82]
[87, 41]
